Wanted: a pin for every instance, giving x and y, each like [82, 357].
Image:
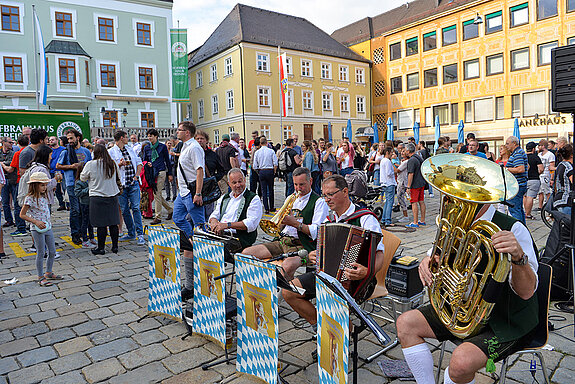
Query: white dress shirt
[367, 222]
[319, 215]
[191, 159]
[137, 147]
[239, 152]
[265, 158]
[232, 213]
[116, 155]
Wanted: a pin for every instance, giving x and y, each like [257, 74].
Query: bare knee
[465, 361]
[408, 325]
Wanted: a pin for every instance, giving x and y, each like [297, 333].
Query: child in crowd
[36, 211]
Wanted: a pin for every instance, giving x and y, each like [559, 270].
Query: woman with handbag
[102, 175]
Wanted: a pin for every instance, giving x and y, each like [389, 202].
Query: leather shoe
[187, 294]
[97, 251]
[170, 215]
[61, 208]
[115, 249]
[156, 221]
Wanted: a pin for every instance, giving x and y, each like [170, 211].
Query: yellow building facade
[237, 90]
[483, 62]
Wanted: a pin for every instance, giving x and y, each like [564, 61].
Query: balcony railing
[108, 132]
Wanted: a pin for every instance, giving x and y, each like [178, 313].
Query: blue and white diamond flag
[209, 294]
[332, 335]
[257, 352]
[164, 295]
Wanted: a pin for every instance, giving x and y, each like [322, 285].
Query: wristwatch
[522, 261]
[229, 225]
[198, 194]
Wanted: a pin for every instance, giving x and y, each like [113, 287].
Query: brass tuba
[273, 226]
[467, 260]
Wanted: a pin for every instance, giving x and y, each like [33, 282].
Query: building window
[87, 68]
[450, 73]
[360, 75]
[360, 101]
[546, 8]
[515, 105]
[213, 72]
[470, 30]
[228, 66]
[262, 63]
[520, 59]
[306, 68]
[147, 119]
[10, 18]
[413, 81]
[430, 78]
[483, 109]
[290, 99]
[264, 97]
[449, 35]
[534, 103]
[344, 103]
[343, 73]
[216, 136]
[307, 98]
[110, 119]
[471, 69]
[199, 79]
[405, 119]
[544, 53]
[325, 70]
[230, 99]
[428, 117]
[519, 14]
[189, 110]
[429, 41]
[146, 78]
[571, 40]
[265, 130]
[378, 56]
[215, 105]
[493, 22]
[287, 132]
[468, 112]
[396, 85]
[144, 33]
[395, 51]
[570, 5]
[499, 107]
[108, 75]
[64, 24]
[454, 113]
[105, 29]
[326, 101]
[443, 112]
[201, 109]
[13, 69]
[494, 64]
[411, 46]
[289, 67]
[67, 71]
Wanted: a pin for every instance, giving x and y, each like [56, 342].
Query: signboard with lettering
[12, 121]
[542, 121]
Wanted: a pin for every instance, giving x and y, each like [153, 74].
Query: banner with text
[12, 121]
[179, 49]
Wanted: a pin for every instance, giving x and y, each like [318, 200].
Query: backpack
[285, 161]
[357, 183]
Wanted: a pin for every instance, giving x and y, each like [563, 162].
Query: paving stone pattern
[85, 329]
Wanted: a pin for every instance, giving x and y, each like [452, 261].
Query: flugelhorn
[273, 226]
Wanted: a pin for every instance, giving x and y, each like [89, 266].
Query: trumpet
[273, 227]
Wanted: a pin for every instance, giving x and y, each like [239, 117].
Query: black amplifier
[403, 280]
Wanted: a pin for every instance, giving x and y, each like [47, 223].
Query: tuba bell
[467, 260]
[273, 226]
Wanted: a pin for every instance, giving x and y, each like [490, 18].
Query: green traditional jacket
[306, 214]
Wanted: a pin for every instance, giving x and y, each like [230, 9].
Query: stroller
[362, 194]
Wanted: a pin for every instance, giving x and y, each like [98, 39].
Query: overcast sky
[201, 17]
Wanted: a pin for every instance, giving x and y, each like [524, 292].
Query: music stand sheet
[332, 335]
[164, 295]
[209, 294]
[256, 287]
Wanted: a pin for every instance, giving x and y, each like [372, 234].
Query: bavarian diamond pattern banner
[332, 335]
[209, 294]
[164, 295]
[257, 352]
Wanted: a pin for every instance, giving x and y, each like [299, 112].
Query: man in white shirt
[265, 162]
[235, 142]
[239, 211]
[300, 226]
[192, 164]
[548, 160]
[336, 193]
[387, 180]
[130, 166]
[136, 146]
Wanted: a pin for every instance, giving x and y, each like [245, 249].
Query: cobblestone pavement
[84, 328]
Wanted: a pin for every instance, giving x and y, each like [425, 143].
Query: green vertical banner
[179, 48]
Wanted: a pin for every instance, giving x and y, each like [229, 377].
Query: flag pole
[281, 96]
[36, 53]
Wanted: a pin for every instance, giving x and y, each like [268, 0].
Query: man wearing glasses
[336, 194]
[300, 227]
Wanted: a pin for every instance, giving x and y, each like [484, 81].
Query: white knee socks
[420, 361]
[447, 379]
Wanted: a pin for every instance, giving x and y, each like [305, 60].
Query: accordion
[340, 245]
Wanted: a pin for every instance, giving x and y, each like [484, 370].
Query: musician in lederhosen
[301, 226]
[336, 194]
[238, 211]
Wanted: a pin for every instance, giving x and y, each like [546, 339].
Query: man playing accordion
[336, 194]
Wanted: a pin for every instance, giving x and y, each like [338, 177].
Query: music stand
[366, 321]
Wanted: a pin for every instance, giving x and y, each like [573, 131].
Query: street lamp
[93, 123]
[478, 19]
[124, 123]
